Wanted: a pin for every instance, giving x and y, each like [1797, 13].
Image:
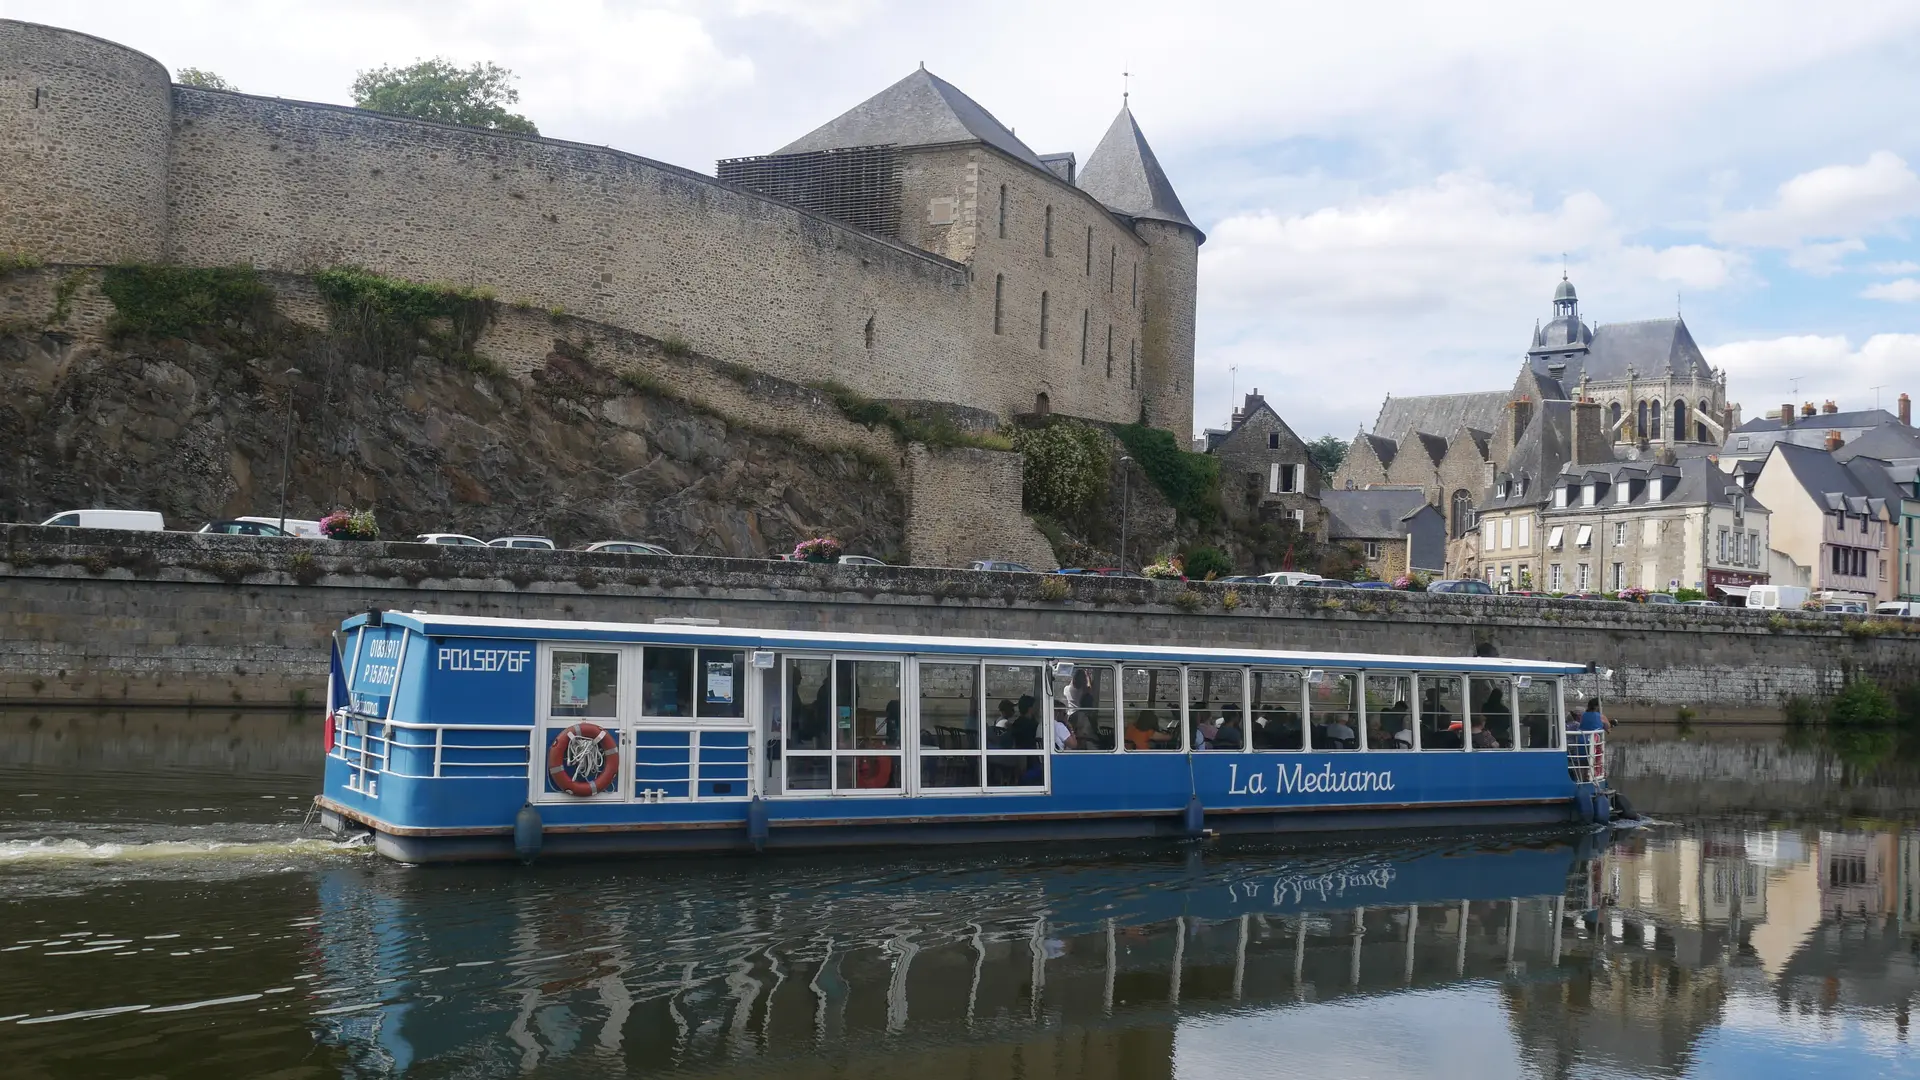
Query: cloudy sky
[1388, 188]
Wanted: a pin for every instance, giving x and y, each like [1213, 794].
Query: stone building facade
[1005, 285]
[1267, 465]
[1632, 524]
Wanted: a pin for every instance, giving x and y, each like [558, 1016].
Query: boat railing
[417, 751]
[1587, 756]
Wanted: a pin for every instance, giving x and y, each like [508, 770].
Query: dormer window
[1591, 496]
[1560, 498]
[1621, 491]
[1656, 488]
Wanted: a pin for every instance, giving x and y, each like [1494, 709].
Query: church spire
[1124, 174]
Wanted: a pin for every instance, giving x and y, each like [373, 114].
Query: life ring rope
[584, 760]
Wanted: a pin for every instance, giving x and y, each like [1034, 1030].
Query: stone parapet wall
[91, 616]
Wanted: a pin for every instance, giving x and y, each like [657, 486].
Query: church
[1649, 395]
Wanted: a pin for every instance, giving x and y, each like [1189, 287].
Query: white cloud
[1821, 260]
[1892, 268]
[1826, 366]
[1902, 291]
[1832, 202]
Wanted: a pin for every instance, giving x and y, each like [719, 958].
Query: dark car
[1465, 586]
[243, 528]
[1101, 571]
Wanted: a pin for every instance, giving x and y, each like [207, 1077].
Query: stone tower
[1124, 174]
[85, 127]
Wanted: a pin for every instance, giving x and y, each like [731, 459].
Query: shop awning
[1585, 537]
[1734, 590]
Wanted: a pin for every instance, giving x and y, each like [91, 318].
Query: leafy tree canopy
[202, 78]
[1327, 453]
[438, 89]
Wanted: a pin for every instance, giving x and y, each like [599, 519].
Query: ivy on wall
[1190, 481]
[174, 301]
[394, 317]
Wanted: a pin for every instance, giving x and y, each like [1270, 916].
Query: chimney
[1522, 409]
[1786, 415]
[1591, 442]
[1808, 410]
[1834, 441]
[1829, 408]
[1906, 410]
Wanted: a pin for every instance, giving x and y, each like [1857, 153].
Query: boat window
[723, 676]
[1019, 696]
[1277, 715]
[1440, 713]
[1492, 713]
[1389, 701]
[1331, 714]
[866, 719]
[585, 684]
[1091, 708]
[1539, 722]
[950, 721]
[1216, 708]
[1150, 696]
[666, 682]
[809, 698]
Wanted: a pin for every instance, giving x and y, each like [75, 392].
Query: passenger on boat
[1000, 733]
[1276, 730]
[1482, 738]
[1063, 736]
[1026, 724]
[1204, 729]
[1592, 720]
[1143, 731]
[1227, 736]
[1339, 734]
[1082, 694]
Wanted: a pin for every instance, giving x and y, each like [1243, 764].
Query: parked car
[1699, 603]
[1466, 586]
[860, 560]
[1101, 571]
[540, 543]
[301, 527]
[1290, 577]
[132, 520]
[242, 527]
[1908, 608]
[1336, 583]
[626, 547]
[1583, 596]
[1661, 598]
[1243, 579]
[1842, 607]
[449, 539]
[1001, 566]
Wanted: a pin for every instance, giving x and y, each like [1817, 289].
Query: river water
[166, 911]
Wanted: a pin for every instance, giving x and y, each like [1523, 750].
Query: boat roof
[434, 625]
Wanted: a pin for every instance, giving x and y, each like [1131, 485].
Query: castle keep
[911, 249]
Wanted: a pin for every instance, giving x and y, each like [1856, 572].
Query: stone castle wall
[959, 510]
[83, 147]
[1169, 288]
[117, 165]
[87, 615]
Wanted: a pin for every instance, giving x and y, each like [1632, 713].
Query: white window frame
[909, 721]
[1488, 534]
[1619, 533]
[1559, 497]
[1525, 530]
[1506, 533]
[1585, 577]
[1554, 578]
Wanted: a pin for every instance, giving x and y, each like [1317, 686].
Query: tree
[202, 78]
[438, 89]
[1327, 453]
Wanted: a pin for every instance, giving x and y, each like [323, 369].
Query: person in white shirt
[1063, 737]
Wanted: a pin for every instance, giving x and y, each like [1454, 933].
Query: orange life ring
[560, 771]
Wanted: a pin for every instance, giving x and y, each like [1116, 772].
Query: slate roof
[1894, 442]
[1434, 445]
[1863, 419]
[1440, 414]
[1700, 483]
[1124, 174]
[919, 110]
[1370, 513]
[1833, 485]
[1542, 452]
[1383, 448]
[1755, 437]
[1648, 346]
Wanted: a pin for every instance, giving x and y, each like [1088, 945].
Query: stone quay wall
[99, 617]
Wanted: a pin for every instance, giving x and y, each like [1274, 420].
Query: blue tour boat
[456, 737]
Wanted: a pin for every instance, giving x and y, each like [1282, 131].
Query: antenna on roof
[1876, 393]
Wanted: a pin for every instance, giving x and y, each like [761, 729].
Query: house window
[1619, 576]
[1086, 322]
[999, 291]
[1043, 319]
[1273, 440]
[1299, 518]
[1488, 534]
[1653, 419]
[1555, 536]
[1371, 548]
[1723, 546]
[1292, 477]
[1584, 538]
[1619, 533]
[1462, 514]
[1560, 498]
[1109, 350]
[1554, 578]
[1003, 211]
[1585, 577]
[1883, 569]
[1590, 495]
[1506, 532]
[1046, 235]
[1742, 443]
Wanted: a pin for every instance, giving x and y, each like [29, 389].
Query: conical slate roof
[1124, 174]
[919, 110]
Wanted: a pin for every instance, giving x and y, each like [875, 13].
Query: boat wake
[68, 850]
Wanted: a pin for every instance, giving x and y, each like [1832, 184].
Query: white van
[1908, 608]
[1776, 596]
[1289, 577]
[135, 520]
[296, 526]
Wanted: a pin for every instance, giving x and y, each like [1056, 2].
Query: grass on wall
[1190, 481]
[392, 317]
[174, 301]
[936, 432]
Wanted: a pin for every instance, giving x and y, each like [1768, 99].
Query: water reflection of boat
[776, 963]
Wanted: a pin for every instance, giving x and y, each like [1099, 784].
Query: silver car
[626, 547]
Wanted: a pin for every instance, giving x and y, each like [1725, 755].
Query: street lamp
[1126, 503]
[286, 447]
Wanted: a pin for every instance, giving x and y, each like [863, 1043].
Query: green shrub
[1189, 601]
[1054, 587]
[1861, 704]
[394, 317]
[675, 345]
[1065, 471]
[1190, 481]
[1208, 563]
[11, 261]
[1230, 599]
[174, 301]
[1684, 595]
